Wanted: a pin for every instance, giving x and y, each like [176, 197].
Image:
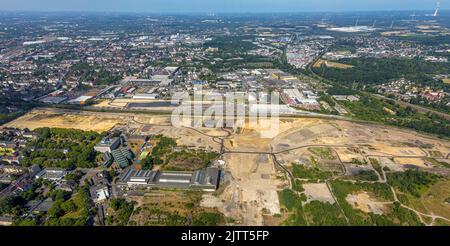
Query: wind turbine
[436, 12]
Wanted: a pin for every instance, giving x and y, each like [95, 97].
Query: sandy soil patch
[214, 132]
[183, 136]
[331, 64]
[387, 162]
[210, 201]
[253, 190]
[365, 203]
[318, 192]
[248, 141]
[382, 148]
[347, 155]
[153, 120]
[87, 122]
[412, 161]
[110, 104]
[294, 156]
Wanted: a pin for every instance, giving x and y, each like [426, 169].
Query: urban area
[363, 119]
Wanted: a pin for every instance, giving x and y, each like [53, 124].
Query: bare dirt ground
[155, 203]
[253, 190]
[184, 136]
[412, 161]
[55, 119]
[331, 64]
[110, 104]
[251, 193]
[387, 162]
[122, 103]
[318, 192]
[364, 202]
[347, 155]
[399, 150]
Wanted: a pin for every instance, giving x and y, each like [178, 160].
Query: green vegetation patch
[367, 175]
[393, 215]
[372, 109]
[171, 157]
[293, 204]
[413, 182]
[438, 163]
[324, 214]
[377, 71]
[70, 212]
[175, 208]
[310, 173]
[189, 160]
[122, 212]
[65, 148]
[376, 165]
[322, 152]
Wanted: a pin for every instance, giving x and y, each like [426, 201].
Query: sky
[217, 6]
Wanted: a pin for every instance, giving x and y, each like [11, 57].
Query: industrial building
[53, 174]
[81, 100]
[206, 179]
[107, 145]
[99, 193]
[146, 96]
[122, 156]
[305, 99]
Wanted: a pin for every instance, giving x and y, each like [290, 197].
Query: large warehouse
[206, 179]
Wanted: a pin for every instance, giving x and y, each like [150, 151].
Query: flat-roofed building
[53, 174]
[122, 156]
[107, 145]
[99, 193]
[205, 179]
[175, 179]
[146, 96]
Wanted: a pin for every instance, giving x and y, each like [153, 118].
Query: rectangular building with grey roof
[206, 179]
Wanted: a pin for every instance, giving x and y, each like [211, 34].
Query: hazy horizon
[217, 6]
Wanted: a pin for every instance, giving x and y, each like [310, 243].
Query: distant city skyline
[218, 6]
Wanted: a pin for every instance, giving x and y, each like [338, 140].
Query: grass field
[431, 201]
[435, 199]
[446, 81]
